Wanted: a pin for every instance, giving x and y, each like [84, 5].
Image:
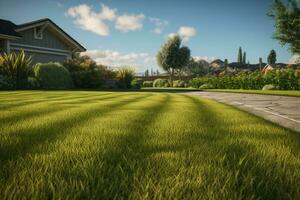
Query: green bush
[16, 67]
[136, 83]
[269, 87]
[125, 76]
[32, 83]
[148, 84]
[206, 86]
[178, 84]
[86, 73]
[52, 76]
[6, 82]
[161, 83]
[283, 79]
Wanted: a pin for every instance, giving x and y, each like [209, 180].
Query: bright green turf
[106, 145]
[295, 93]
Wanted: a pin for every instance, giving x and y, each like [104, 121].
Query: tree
[146, 73]
[272, 57]
[157, 72]
[240, 56]
[197, 67]
[172, 56]
[226, 65]
[260, 63]
[244, 58]
[287, 23]
[152, 72]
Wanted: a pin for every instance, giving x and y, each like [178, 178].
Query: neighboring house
[42, 39]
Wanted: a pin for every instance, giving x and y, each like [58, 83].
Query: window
[38, 34]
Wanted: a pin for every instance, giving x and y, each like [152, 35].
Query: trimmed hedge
[161, 83]
[52, 76]
[283, 79]
[148, 84]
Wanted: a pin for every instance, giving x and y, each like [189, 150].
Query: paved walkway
[282, 110]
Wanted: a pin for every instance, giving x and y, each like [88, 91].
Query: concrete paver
[282, 110]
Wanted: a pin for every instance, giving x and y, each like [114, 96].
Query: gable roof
[10, 29]
[7, 28]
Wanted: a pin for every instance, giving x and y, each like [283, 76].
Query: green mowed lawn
[139, 145]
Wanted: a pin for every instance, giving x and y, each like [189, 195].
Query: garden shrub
[125, 75]
[148, 84]
[15, 66]
[161, 83]
[269, 87]
[283, 79]
[32, 83]
[6, 82]
[178, 84]
[206, 86]
[136, 83]
[86, 73]
[52, 76]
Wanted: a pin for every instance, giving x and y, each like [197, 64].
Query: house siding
[48, 41]
[43, 57]
[48, 49]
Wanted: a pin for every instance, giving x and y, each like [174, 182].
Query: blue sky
[129, 32]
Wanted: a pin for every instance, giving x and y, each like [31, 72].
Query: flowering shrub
[283, 79]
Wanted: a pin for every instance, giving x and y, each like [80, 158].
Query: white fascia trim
[9, 37]
[39, 51]
[29, 27]
[39, 48]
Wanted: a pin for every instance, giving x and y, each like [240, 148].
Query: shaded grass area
[137, 145]
[293, 93]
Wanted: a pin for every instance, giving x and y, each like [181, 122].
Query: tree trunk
[171, 77]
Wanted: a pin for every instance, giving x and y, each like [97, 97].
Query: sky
[130, 32]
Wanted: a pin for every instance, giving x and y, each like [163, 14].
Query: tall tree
[240, 55]
[226, 65]
[272, 57]
[260, 63]
[244, 58]
[287, 23]
[157, 72]
[146, 72]
[172, 56]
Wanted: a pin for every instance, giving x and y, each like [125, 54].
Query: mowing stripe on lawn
[41, 134]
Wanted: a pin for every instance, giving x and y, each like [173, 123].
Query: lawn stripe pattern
[137, 145]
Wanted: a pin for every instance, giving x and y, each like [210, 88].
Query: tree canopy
[287, 23]
[172, 56]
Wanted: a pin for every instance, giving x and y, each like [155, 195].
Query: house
[41, 39]
[267, 68]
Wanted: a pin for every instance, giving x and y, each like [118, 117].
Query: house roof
[7, 28]
[10, 29]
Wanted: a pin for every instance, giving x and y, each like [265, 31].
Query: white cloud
[92, 21]
[97, 22]
[127, 23]
[117, 59]
[159, 24]
[206, 58]
[295, 59]
[186, 33]
[107, 13]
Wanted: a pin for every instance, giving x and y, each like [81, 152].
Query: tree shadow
[32, 138]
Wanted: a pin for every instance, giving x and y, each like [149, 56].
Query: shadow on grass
[31, 138]
[246, 172]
